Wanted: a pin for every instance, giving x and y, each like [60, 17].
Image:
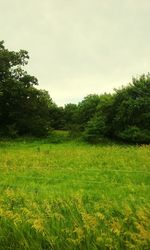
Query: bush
[135, 134]
[95, 130]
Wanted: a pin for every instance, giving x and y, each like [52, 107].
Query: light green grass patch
[72, 195]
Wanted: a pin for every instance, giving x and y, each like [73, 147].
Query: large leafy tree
[132, 111]
[124, 115]
[23, 108]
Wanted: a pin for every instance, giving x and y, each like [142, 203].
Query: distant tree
[87, 109]
[35, 119]
[56, 116]
[100, 124]
[70, 115]
[71, 118]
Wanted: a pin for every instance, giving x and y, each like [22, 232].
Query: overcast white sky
[79, 47]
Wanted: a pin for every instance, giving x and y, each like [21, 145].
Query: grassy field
[59, 194]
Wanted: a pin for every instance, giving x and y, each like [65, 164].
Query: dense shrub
[135, 134]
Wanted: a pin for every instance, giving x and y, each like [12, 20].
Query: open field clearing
[72, 195]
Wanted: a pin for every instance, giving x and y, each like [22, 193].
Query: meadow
[66, 194]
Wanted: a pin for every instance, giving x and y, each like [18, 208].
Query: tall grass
[70, 195]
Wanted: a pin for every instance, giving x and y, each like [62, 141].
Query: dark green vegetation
[26, 110]
[72, 195]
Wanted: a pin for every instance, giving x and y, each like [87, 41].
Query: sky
[79, 47]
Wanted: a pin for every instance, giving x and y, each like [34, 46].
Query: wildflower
[116, 227]
[58, 216]
[90, 221]
[10, 193]
[80, 233]
[144, 234]
[38, 225]
[100, 216]
[17, 219]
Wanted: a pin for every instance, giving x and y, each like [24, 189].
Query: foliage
[95, 129]
[23, 108]
[124, 115]
[135, 134]
[99, 126]
[26, 110]
[70, 115]
[87, 109]
[132, 111]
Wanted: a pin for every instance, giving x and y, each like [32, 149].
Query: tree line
[28, 111]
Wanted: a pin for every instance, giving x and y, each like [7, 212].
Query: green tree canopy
[23, 108]
[125, 115]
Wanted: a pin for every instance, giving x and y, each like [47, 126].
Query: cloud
[79, 47]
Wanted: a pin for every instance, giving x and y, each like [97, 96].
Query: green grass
[63, 194]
